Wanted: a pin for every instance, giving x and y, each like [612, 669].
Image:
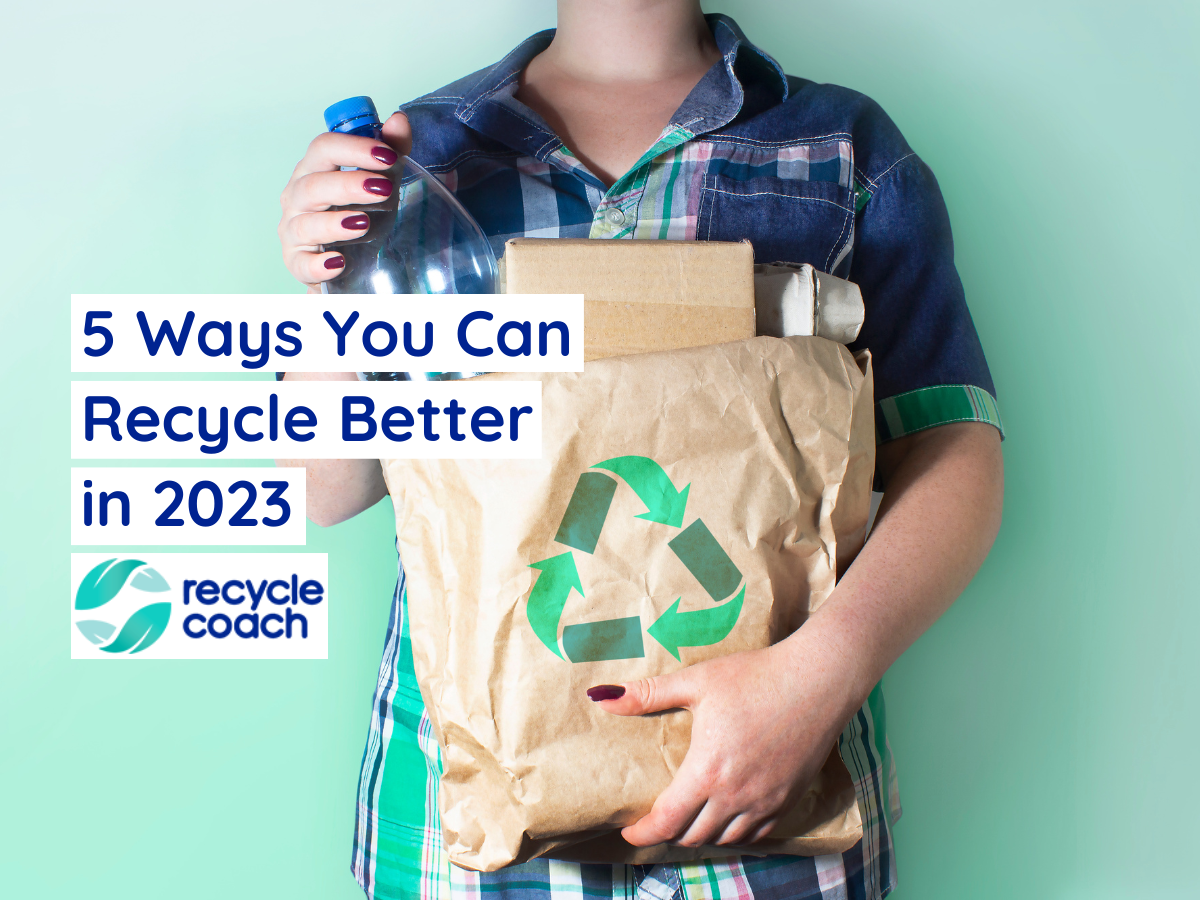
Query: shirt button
[614, 216]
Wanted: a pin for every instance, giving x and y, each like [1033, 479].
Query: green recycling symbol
[695, 547]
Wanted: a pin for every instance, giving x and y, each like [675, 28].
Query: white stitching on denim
[838, 136]
[512, 76]
[550, 140]
[837, 243]
[470, 154]
[532, 124]
[706, 191]
[716, 190]
[441, 98]
[846, 250]
[875, 183]
[723, 24]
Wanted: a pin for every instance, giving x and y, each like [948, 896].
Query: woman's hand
[763, 722]
[337, 488]
[318, 183]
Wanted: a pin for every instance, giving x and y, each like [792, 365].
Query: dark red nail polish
[385, 155]
[606, 692]
[335, 262]
[358, 223]
[380, 186]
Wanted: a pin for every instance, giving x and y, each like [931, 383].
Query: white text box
[306, 420]
[182, 506]
[200, 606]
[326, 333]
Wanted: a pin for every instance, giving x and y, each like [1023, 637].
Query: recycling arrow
[549, 596]
[675, 629]
[663, 503]
[695, 546]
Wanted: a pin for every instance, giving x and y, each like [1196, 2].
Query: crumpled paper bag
[687, 505]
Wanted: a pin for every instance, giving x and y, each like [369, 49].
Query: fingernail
[385, 155]
[606, 692]
[380, 186]
[358, 223]
[335, 262]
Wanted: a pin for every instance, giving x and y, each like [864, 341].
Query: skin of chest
[608, 125]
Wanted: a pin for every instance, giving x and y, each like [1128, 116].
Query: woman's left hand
[763, 723]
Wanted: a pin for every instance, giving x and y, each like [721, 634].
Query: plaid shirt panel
[399, 854]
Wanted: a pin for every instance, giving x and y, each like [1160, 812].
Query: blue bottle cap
[352, 113]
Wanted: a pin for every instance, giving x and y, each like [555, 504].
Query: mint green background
[1046, 729]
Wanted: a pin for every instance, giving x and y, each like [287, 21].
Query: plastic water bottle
[420, 239]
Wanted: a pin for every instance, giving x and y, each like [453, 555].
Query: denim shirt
[808, 173]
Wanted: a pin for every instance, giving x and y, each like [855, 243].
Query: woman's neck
[645, 41]
[614, 74]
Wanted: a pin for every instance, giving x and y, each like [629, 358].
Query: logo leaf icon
[143, 628]
[104, 582]
[149, 580]
[95, 630]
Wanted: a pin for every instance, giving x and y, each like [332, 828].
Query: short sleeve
[928, 362]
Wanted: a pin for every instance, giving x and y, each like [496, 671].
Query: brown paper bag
[687, 505]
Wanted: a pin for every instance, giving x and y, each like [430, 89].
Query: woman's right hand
[337, 488]
[317, 183]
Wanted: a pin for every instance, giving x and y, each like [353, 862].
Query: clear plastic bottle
[420, 241]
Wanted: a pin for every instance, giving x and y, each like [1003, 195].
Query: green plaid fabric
[399, 853]
[928, 407]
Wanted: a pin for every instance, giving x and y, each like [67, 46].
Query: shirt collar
[719, 96]
[489, 105]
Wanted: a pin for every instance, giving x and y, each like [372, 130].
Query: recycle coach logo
[695, 546]
[104, 583]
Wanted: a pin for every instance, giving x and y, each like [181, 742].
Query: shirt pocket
[786, 220]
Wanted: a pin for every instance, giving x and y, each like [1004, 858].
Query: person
[646, 119]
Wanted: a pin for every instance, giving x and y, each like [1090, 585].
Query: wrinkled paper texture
[774, 439]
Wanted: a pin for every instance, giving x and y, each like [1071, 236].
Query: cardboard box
[642, 296]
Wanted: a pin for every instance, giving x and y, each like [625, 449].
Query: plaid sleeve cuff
[929, 407]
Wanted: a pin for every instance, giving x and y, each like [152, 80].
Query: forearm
[337, 489]
[939, 516]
